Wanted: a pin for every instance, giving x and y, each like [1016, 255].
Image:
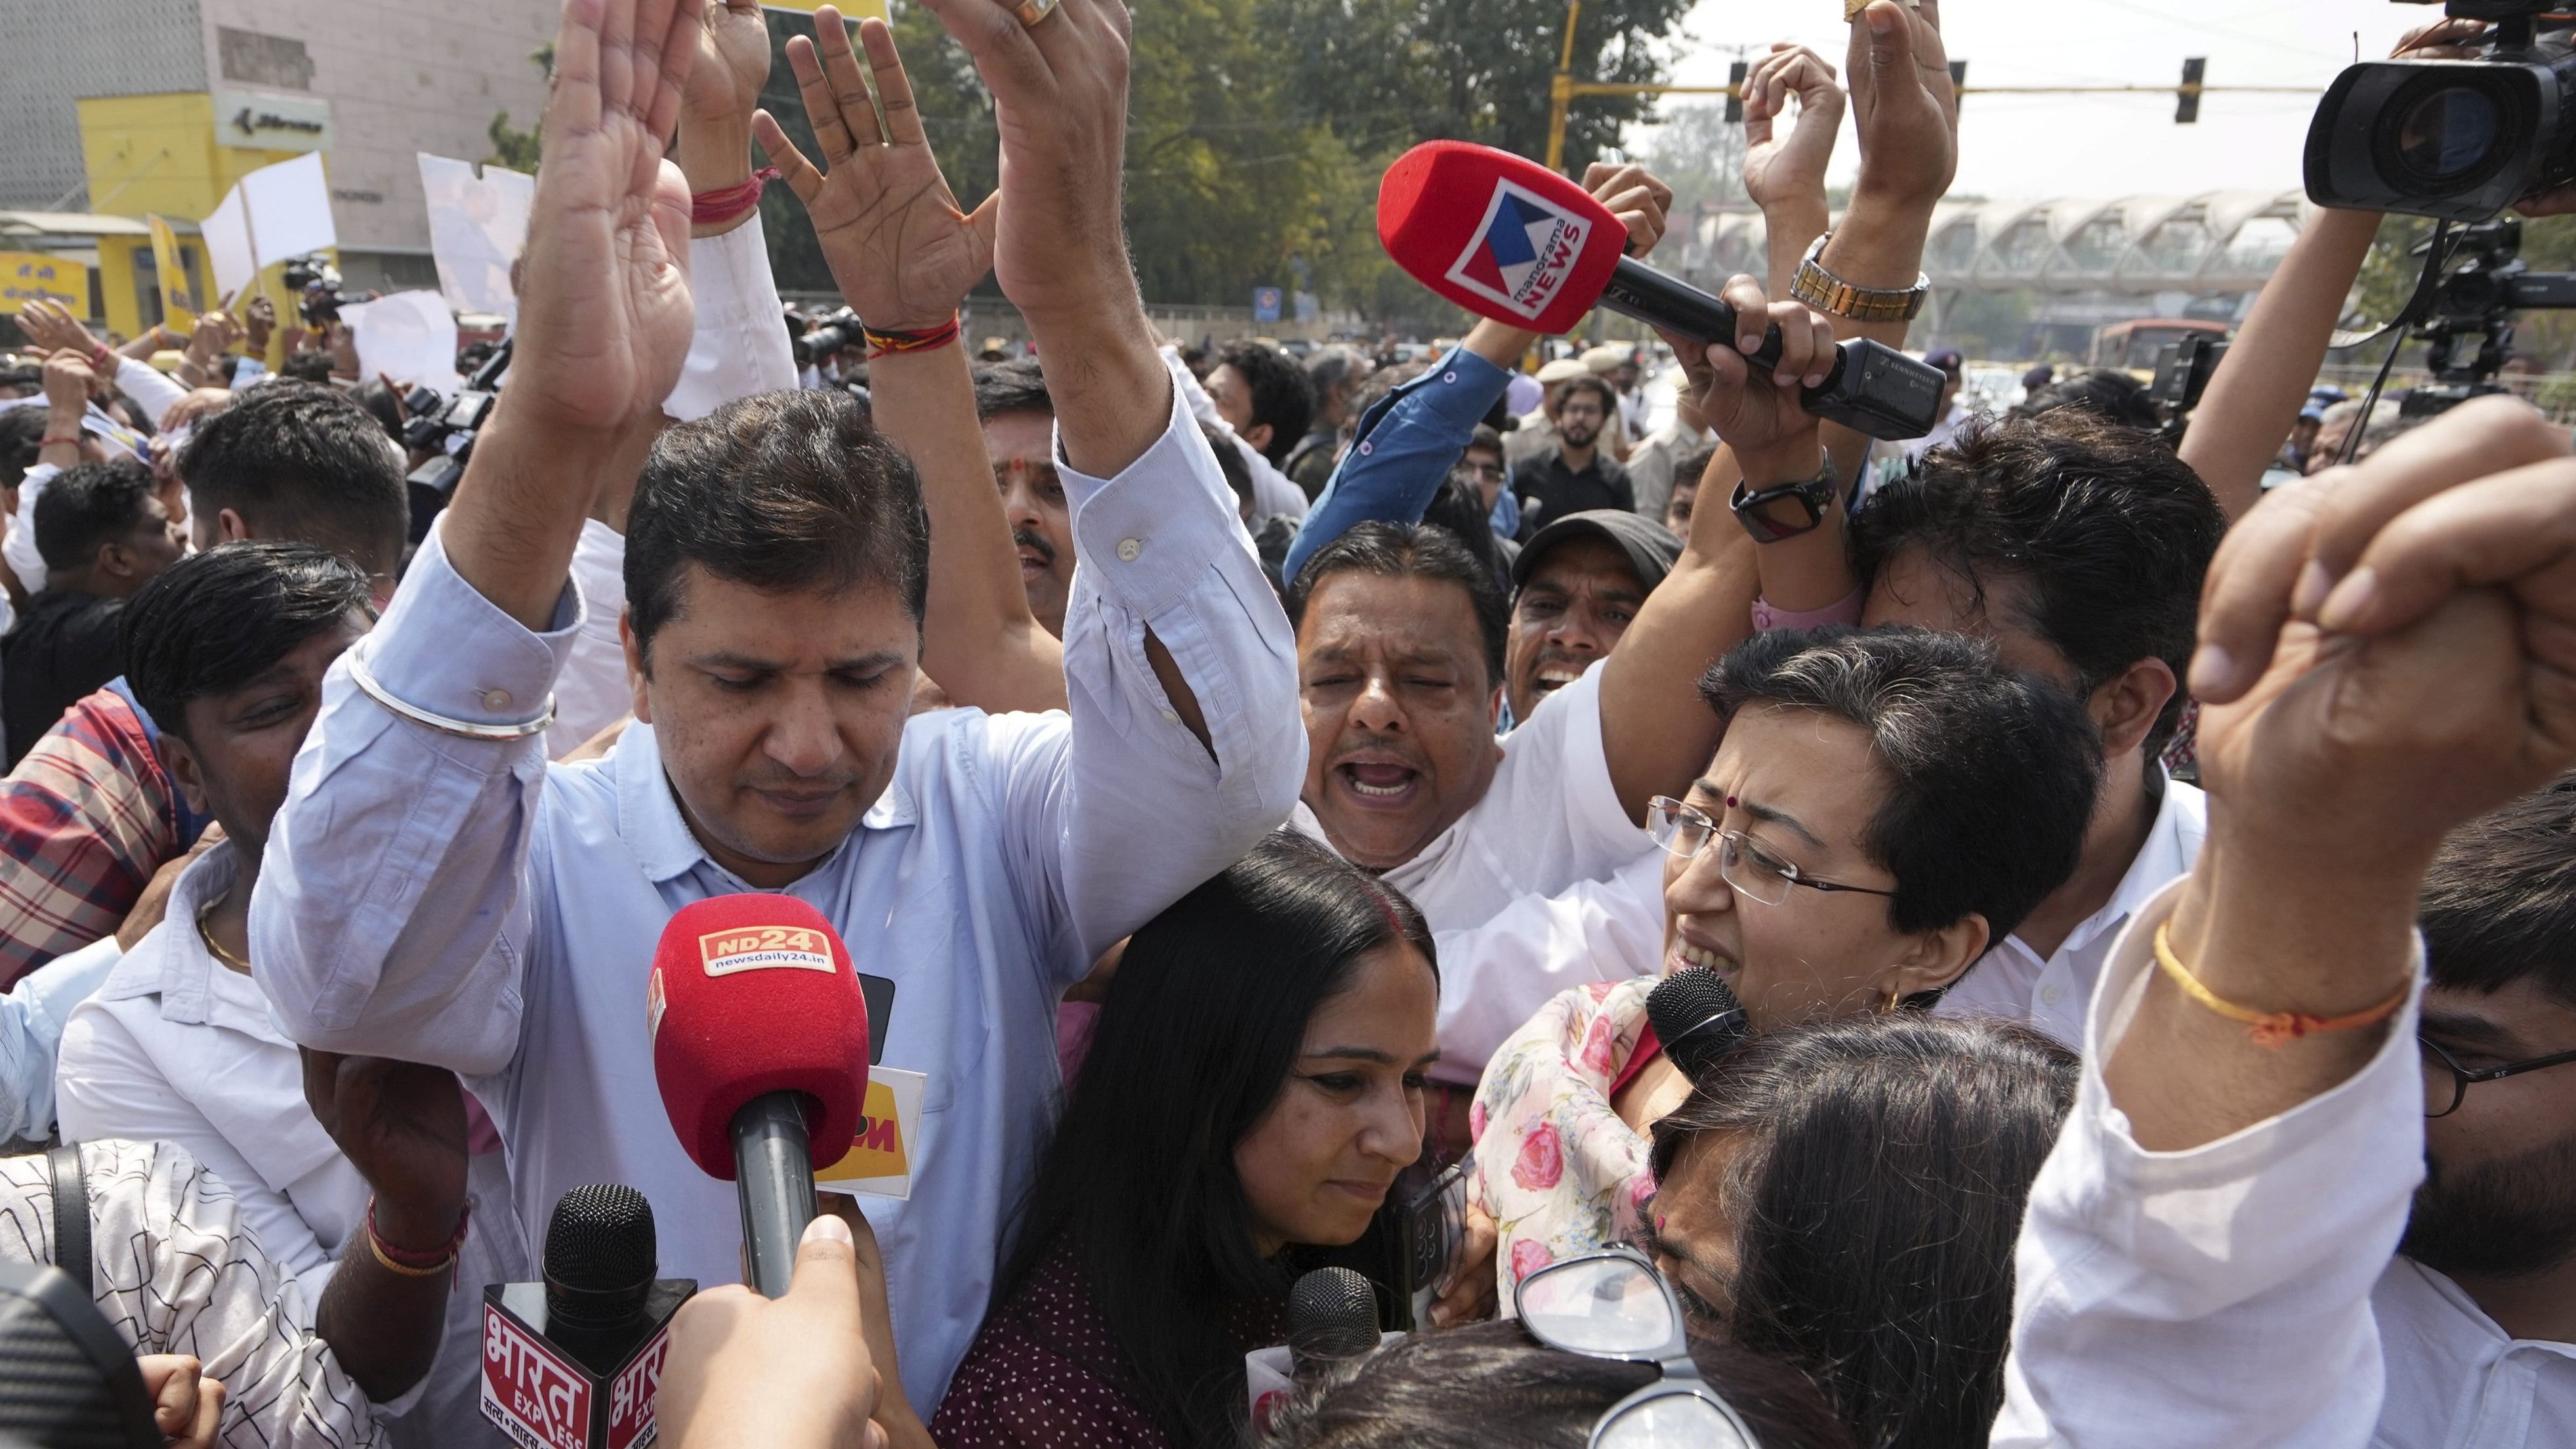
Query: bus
[2135, 345]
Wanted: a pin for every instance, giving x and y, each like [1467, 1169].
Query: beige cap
[1608, 357]
[1561, 369]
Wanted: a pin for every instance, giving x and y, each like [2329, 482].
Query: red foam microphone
[1506, 238]
[760, 1047]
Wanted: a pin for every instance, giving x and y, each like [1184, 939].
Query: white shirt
[1548, 819]
[461, 902]
[175, 1270]
[2220, 1295]
[591, 693]
[19, 550]
[740, 345]
[2458, 1381]
[2054, 995]
[1495, 977]
[32, 1015]
[175, 1047]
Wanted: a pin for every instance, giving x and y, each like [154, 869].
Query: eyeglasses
[1614, 1305]
[1482, 470]
[2446, 1082]
[1741, 859]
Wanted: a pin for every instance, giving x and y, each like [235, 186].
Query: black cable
[2435, 254]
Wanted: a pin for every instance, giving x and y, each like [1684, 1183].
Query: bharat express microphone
[760, 1047]
[577, 1359]
[1509, 239]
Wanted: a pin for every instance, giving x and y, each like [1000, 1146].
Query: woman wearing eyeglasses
[1252, 1090]
[1884, 805]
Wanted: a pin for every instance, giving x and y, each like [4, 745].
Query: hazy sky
[2027, 147]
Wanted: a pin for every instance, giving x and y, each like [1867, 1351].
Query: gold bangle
[1825, 292]
[2271, 1028]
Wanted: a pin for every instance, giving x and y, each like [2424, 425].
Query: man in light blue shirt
[435, 890]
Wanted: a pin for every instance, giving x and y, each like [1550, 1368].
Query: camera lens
[2444, 134]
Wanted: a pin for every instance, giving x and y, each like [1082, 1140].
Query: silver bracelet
[365, 679]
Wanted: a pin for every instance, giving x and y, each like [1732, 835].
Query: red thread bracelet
[713, 208]
[49, 442]
[887, 344]
[410, 1262]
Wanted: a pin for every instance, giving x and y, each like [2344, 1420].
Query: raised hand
[605, 314]
[402, 1125]
[1060, 98]
[2389, 650]
[902, 253]
[1634, 195]
[732, 65]
[1783, 167]
[1905, 108]
[1758, 413]
[51, 327]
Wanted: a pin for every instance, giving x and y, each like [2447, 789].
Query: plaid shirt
[85, 819]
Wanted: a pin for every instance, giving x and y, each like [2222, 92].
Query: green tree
[511, 147]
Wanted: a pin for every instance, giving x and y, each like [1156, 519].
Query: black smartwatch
[1813, 496]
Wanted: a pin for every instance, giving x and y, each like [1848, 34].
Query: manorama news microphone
[760, 1048]
[1506, 238]
[575, 1362]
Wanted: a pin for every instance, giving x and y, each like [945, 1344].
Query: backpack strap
[71, 1213]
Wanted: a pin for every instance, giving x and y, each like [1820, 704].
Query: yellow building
[158, 155]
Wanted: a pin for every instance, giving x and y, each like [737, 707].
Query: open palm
[605, 315]
[901, 251]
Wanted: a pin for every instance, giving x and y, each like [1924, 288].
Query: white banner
[477, 227]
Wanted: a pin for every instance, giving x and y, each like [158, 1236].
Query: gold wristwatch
[1826, 292]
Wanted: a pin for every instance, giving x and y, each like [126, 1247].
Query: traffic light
[1958, 79]
[2187, 100]
[1735, 97]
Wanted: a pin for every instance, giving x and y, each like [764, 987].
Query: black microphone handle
[774, 1167]
[1870, 388]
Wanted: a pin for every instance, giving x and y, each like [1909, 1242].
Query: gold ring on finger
[1033, 11]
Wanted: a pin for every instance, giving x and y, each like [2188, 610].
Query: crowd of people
[2141, 850]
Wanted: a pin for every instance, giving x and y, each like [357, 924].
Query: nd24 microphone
[760, 1047]
[575, 1362]
[1508, 239]
[1697, 1018]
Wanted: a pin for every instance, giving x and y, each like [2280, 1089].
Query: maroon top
[1045, 1373]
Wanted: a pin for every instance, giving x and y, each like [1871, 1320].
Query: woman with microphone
[1252, 1090]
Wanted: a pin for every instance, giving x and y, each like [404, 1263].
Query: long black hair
[1876, 1187]
[1194, 1043]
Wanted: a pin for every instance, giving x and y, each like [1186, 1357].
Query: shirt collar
[2171, 843]
[172, 962]
[649, 819]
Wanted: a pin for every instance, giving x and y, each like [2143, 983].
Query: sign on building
[264, 121]
[27, 276]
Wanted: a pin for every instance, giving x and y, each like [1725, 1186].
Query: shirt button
[1173, 715]
[496, 700]
[1367, 448]
[1448, 377]
[1128, 548]
[2052, 993]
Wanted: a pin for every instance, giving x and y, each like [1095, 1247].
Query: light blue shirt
[462, 902]
[1402, 452]
[31, 1031]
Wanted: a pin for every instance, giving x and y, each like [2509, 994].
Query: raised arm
[1656, 732]
[403, 1127]
[2384, 656]
[1416, 433]
[904, 257]
[1784, 171]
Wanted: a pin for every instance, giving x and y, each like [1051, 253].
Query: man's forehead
[1408, 616]
[1580, 562]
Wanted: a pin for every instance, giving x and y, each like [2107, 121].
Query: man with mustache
[1019, 435]
[1576, 475]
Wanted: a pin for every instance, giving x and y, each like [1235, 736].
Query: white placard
[290, 210]
[477, 227]
[409, 337]
[228, 249]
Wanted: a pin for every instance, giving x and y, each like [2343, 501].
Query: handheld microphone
[1697, 1018]
[1508, 239]
[760, 1047]
[1332, 1316]
[575, 1362]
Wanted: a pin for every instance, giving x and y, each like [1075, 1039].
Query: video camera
[319, 293]
[2458, 140]
[834, 332]
[2475, 301]
[447, 427]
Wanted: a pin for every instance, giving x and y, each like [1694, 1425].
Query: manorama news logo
[1522, 252]
[764, 948]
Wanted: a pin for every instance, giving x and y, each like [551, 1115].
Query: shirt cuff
[1144, 530]
[740, 345]
[1845, 610]
[1458, 390]
[445, 649]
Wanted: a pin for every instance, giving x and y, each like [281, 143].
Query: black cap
[1652, 549]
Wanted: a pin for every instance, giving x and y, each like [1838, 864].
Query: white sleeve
[740, 346]
[19, 551]
[2219, 1295]
[1495, 977]
[1551, 817]
[146, 388]
[32, 1014]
